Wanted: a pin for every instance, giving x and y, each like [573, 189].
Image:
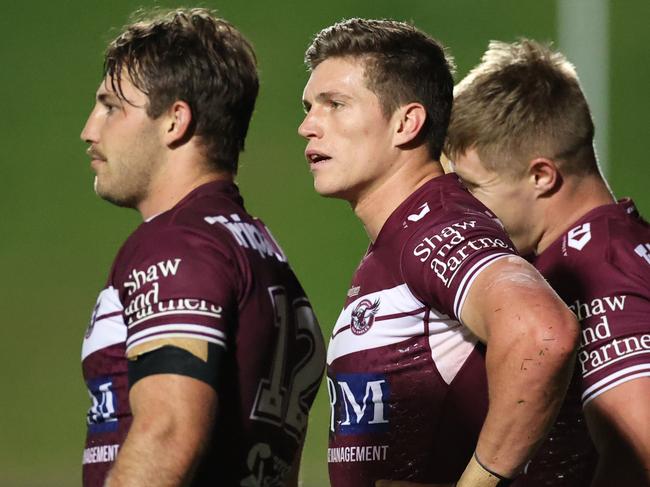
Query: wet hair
[192, 56]
[401, 65]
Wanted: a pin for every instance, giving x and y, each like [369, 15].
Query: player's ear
[544, 176]
[177, 123]
[409, 120]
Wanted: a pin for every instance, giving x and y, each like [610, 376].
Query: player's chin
[325, 189]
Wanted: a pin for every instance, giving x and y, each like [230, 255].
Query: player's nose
[310, 127]
[90, 131]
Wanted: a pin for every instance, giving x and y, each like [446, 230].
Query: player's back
[206, 270]
[276, 365]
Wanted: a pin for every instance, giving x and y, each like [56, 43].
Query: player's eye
[333, 104]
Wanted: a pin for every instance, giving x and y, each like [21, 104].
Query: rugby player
[521, 139]
[408, 375]
[203, 355]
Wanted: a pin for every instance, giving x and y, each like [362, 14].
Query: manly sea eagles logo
[363, 316]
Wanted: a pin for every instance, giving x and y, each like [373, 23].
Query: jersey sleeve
[441, 262]
[614, 313]
[178, 284]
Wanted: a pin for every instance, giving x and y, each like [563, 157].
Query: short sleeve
[178, 283]
[441, 262]
[614, 314]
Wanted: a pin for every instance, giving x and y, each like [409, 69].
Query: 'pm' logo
[102, 415]
[359, 403]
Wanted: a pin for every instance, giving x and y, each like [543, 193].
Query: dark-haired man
[203, 354]
[521, 138]
[406, 370]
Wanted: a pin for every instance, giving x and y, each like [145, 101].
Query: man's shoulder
[610, 239]
[442, 206]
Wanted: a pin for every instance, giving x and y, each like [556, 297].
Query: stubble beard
[125, 180]
[124, 184]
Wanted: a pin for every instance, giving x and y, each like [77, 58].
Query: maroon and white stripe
[615, 379]
[177, 331]
[469, 277]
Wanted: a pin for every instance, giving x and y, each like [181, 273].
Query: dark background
[58, 239]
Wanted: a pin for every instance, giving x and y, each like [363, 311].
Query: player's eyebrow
[328, 95]
[324, 97]
[105, 98]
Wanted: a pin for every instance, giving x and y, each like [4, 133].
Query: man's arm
[173, 417]
[531, 339]
[619, 424]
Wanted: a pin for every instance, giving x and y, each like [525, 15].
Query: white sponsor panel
[451, 343]
[397, 300]
[107, 326]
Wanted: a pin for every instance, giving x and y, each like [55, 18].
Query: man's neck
[577, 197]
[175, 181]
[374, 207]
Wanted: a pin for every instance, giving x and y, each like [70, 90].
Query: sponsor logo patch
[580, 236]
[102, 415]
[363, 316]
[359, 403]
[416, 217]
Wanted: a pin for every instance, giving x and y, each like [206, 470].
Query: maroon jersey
[207, 270]
[406, 379]
[601, 269]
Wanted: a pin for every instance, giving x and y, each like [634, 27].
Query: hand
[402, 483]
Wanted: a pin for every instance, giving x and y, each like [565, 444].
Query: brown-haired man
[203, 354]
[406, 371]
[521, 138]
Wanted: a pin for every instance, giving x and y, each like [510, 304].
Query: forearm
[154, 454]
[527, 382]
[173, 417]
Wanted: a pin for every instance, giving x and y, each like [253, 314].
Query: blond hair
[521, 102]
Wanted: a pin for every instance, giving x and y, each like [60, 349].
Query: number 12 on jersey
[281, 397]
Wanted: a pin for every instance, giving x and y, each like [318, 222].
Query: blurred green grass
[58, 240]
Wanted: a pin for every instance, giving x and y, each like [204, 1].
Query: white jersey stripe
[595, 394]
[176, 335]
[643, 369]
[110, 329]
[175, 328]
[468, 280]
[171, 313]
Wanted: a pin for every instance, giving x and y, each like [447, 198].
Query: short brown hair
[522, 101]
[190, 55]
[402, 65]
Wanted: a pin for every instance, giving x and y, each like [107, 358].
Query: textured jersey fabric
[406, 379]
[207, 270]
[600, 267]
